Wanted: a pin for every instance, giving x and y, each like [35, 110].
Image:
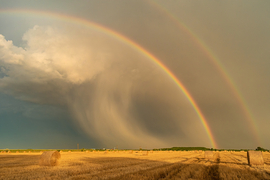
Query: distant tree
[261, 149]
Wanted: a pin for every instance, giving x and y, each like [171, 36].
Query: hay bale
[50, 158]
[145, 153]
[255, 158]
[209, 155]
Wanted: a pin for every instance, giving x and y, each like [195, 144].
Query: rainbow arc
[218, 65]
[123, 39]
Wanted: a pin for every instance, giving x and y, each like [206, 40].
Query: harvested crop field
[135, 165]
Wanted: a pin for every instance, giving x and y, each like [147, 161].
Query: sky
[134, 74]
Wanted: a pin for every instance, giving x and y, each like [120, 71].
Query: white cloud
[50, 57]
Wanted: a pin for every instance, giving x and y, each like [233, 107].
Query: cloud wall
[103, 82]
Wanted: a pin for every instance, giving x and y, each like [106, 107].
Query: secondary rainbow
[123, 39]
[215, 60]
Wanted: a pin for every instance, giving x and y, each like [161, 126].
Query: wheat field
[134, 165]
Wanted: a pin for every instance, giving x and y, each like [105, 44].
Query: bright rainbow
[123, 39]
[215, 60]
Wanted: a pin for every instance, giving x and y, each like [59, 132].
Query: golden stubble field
[135, 165]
